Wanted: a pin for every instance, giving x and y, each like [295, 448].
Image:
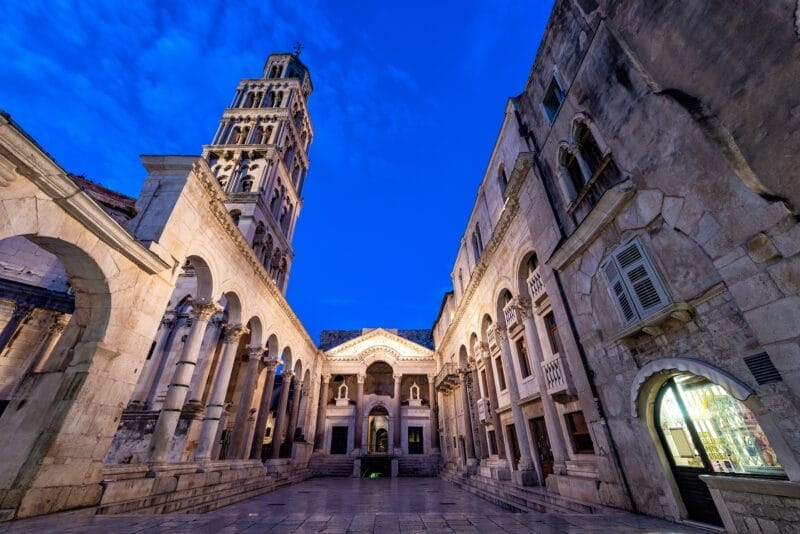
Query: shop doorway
[542, 442]
[705, 431]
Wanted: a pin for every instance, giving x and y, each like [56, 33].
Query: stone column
[469, 440]
[179, 386]
[240, 427]
[18, 316]
[551, 418]
[500, 440]
[145, 383]
[294, 416]
[263, 410]
[280, 415]
[208, 351]
[359, 414]
[525, 474]
[398, 427]
[48, 342]
[324, 394]
[434, 417]
[216, 402]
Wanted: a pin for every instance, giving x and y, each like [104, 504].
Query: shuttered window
[634, 283]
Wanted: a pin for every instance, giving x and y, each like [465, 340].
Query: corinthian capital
[203, 309]
[254, 353]
[233, 332]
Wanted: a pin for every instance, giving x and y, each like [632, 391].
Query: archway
[378, 425]
[701, 421]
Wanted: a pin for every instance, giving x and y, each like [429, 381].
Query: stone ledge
[651, 325]
[777, 488]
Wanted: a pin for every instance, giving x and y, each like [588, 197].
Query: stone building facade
[142, 338]
[671, 247]
[377, 404]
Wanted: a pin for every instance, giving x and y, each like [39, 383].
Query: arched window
[267, 135]
[267, 251]
[479, 237]
[502, 180]
[461, 281]
[475, 250]
[247, 184]
[236, 215]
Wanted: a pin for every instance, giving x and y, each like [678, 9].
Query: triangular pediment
[379, 341]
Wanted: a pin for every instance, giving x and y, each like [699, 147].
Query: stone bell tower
[260, 157]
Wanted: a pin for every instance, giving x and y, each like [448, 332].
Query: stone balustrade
[557, 379]
[536, 284]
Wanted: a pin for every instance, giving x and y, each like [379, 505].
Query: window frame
[569, 419]
[616, 273]
[554, 80]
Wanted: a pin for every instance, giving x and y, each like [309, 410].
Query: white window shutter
[619, 292]
[640, 277]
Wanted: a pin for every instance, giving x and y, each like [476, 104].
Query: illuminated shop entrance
[704, 430]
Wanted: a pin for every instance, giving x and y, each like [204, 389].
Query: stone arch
[473, 340]
[233, 307]
[272, 346]
[256, 331]
[525, 263]
[379, 379]
[203, 271]
[286, 357]
[504, 296]
[298, 368]
[463, 357]
[486, 323]
[650, 378]
[380, 353]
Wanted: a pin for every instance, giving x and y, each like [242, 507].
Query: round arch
[380, 353]
[649, 379]
[233, 307]
[272, 346]
[256, 331]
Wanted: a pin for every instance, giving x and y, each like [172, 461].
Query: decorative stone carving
[414, 398]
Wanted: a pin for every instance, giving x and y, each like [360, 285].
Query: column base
[356, 468]
[523, 477]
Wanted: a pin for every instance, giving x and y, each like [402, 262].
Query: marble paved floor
[339, 505]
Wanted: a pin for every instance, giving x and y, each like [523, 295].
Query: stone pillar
[294, 416]
[324, 394]
[240, 427]
[434, 417]
[398, 427]
[145, 383]
[18, 316]
[280, 415]
[551, 418]
[359, 415]
[525, 474]
[179, 386]
[216, 402]
[209, 349]
[469, 440]
[498, 429]
[48, 342]
[263, 410]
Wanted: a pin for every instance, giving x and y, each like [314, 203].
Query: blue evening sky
[408, 100]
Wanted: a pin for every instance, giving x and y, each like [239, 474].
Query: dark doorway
[374, 467]
[339, 440]
[542, 442]
[415, 440]
[513, 444]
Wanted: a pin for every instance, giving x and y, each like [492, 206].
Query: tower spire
[260, 158]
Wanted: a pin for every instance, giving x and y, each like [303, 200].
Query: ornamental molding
[379, 339]
[204, 175]
[522, 168]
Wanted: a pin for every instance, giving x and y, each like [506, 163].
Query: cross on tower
[298, 47]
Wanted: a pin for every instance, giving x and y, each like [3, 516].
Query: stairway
[414, 465]
[522, 499]
[333, 465]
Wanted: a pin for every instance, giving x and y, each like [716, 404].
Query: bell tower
[260, 157]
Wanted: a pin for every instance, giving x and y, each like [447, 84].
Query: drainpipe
[530, 141]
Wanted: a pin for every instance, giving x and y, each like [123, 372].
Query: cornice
[522, 167]
[217, 207]
[347, 345]
[39, 168]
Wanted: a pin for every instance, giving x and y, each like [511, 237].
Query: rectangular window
[634, 283]
[524, 364]
[552, 333]
[579, 433]
[553, 98]
[484, 383]
[501, 377]
[492, 442]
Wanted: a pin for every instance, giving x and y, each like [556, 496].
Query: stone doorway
[378, 425]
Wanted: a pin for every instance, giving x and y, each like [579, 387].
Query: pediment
[379, 343]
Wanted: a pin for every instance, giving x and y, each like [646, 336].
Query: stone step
[523, 498]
